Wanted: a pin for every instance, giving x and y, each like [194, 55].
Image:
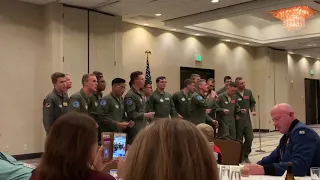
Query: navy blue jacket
[300, 146]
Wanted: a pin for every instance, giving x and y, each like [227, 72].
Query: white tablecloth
[272, 178]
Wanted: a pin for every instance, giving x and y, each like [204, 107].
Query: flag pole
[148, 52]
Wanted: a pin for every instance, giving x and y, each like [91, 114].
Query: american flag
[148, 74]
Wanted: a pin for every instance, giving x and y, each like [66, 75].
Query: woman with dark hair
[71, 151]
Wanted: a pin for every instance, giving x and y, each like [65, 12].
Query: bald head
[282, 108]
[282, 117]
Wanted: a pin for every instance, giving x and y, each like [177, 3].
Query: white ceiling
[129, 8]
[180, 15]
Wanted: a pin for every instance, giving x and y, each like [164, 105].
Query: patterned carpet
[269, 142]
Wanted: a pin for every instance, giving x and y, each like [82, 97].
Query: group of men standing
[197, 102]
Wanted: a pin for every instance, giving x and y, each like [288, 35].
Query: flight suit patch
[76, 104]
[183, 99]
[103, 102]
[167, 99]
[48, 104]
[60, 106]
[96, 104]
[233, 101]
[239, 99]
[86, 106]
[217, 99]
[161, 100]
[246, 97]
[116, 106]
[129, 102]
[226, 102]
[199, 98]
[65, 104]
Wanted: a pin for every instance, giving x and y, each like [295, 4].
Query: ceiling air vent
[106, 3]
[142, 18]
[317, 1]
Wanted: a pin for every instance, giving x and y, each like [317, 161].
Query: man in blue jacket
[299, 145]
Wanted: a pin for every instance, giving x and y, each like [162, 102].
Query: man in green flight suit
[200, 104]
[161, 102]
[244, 125]
[79, 101]
[227, 80]
[195, 78]
[228, 111]
[113, 108]
[135, 105]
[94, 109]
[55, 103]
[182, 99]
[211, 90]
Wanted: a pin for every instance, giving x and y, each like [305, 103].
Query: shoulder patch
[129, 102]
[199, 98]
[48, 104]
[103, 102]
[76, 104]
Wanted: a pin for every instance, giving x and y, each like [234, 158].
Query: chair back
[231, 151]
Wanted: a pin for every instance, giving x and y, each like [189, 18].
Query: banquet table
[251, 177]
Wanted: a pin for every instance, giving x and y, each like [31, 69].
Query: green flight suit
[54, 105]
[227, 124]
[182, 103]
[221, 90]
[146, 99]
[113, 111]
[162, 105]
[94, 108]
[135, 108]
[213, 108]
[79, 102]
[199, 105]
[244, 125]
[95, 111]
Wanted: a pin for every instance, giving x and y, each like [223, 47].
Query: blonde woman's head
[207, 131]
[170, 149]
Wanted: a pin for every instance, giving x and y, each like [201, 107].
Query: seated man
[299, 145]
[11, 169]
[208, 132]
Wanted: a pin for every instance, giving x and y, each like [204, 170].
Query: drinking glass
[235, 173]
[224, 172]
[315, 173]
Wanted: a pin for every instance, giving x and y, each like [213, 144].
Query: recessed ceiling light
[197, 34]
[228, 40]
[158, 14]
[174, 29]
[247, 43]
[214, 1]
[146, 24]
